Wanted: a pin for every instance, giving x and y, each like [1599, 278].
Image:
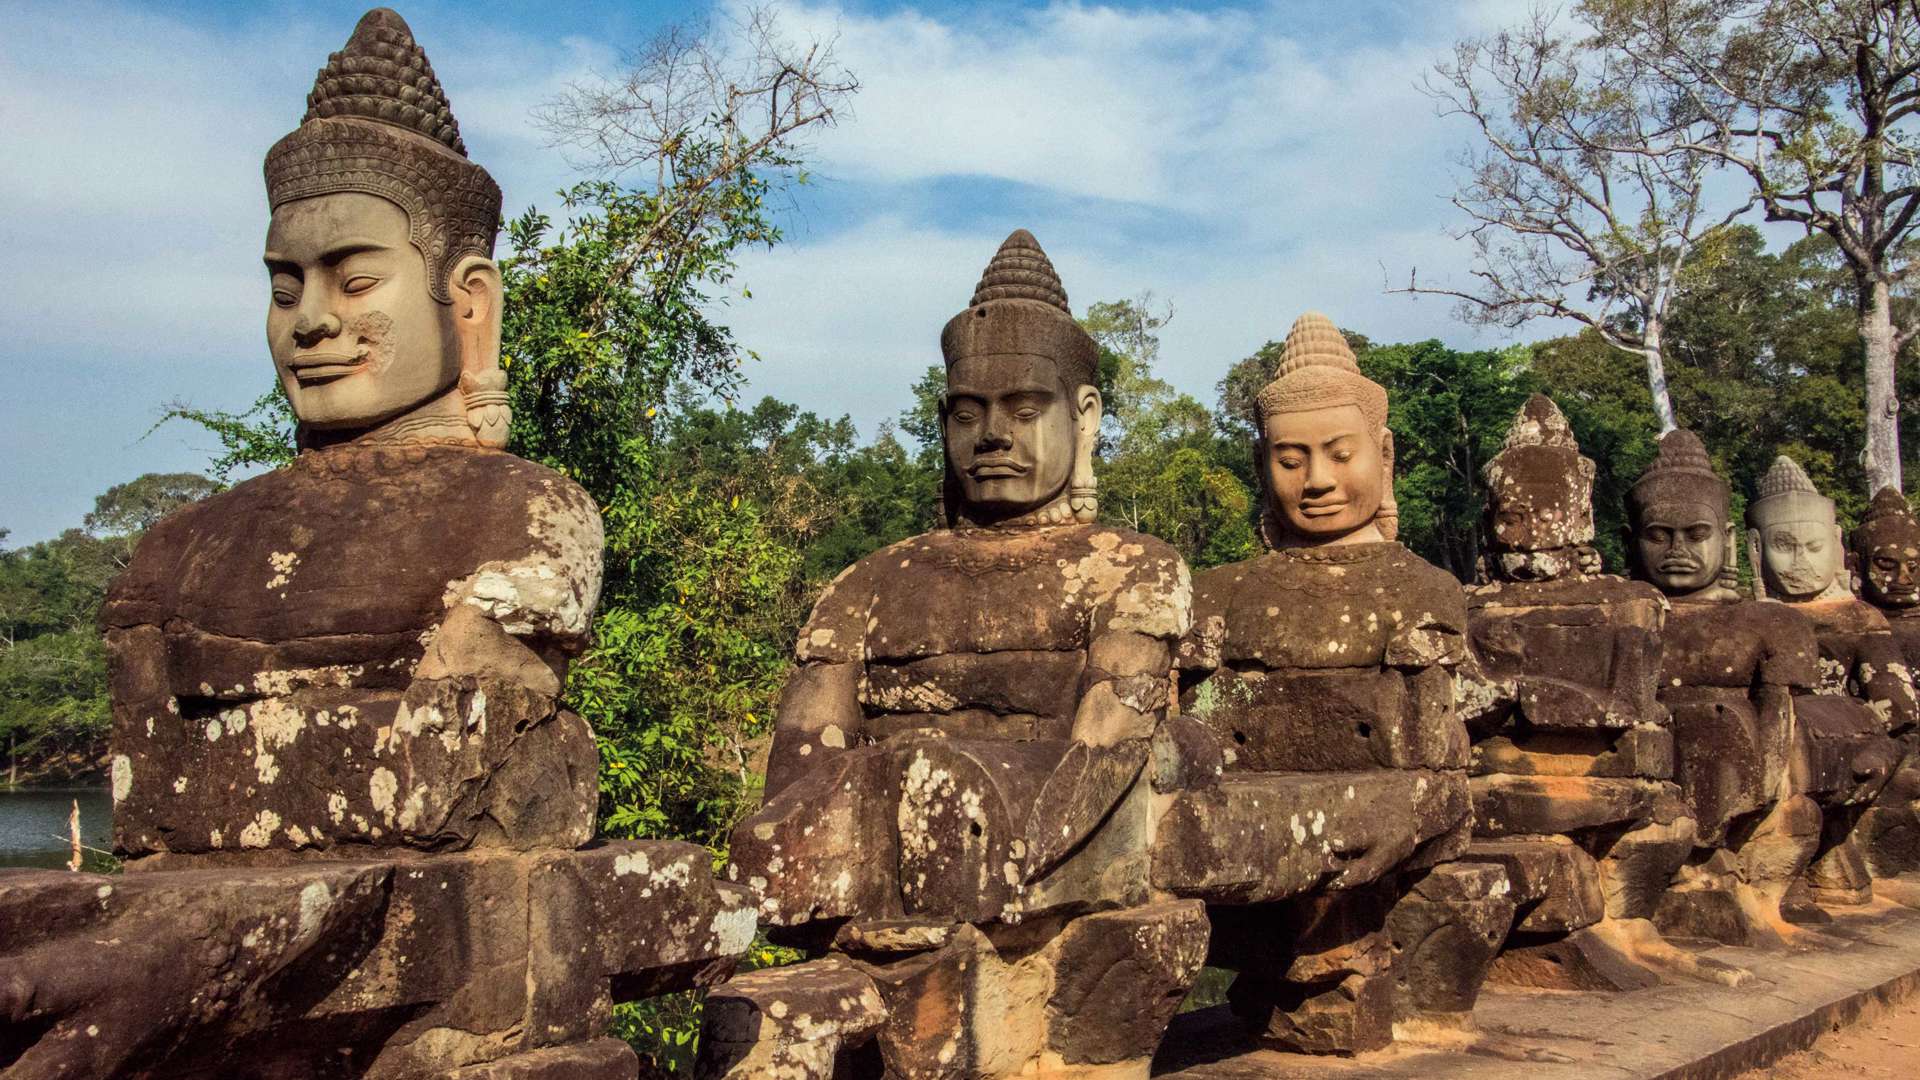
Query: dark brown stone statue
[1571, 743]
[1729, 672]
[959, 800]
[1323, 669]
[1887, 549]
[1863, 696]
[352, 805]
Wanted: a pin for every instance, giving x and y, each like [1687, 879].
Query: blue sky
[1244, 162]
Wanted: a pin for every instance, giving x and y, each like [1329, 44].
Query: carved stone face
[1540, 499]
[1010, 428]
[1890, 561]
[1324, 471]
[1682, 546]
[1800, 558]
[356, 336]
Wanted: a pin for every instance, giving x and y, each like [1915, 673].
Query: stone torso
[1319, 659]
[1727, 677]
[1598, 634]
[265, 642]
[985, 632]
[1736, 645]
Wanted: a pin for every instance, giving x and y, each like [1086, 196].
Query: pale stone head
[1323, 452]
[1887, 547]
[385, 299]
[1680, 525]
[1540, 498]
[1021, 413]
[1795, 536]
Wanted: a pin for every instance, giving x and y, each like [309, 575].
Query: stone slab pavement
[1678, 1032]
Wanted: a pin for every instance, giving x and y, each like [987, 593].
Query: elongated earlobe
[1083, 497]
[477, 296]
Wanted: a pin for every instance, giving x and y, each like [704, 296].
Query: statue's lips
[314, 368]
[1314, 510]
[996, 469]
[1679, 566]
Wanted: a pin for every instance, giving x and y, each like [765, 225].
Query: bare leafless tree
[695, 109]
[1563, 224]
[1813, 102]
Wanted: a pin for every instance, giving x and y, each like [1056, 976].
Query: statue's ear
[1087, 407]
[478, 297]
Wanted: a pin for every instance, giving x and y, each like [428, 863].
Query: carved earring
[1083, 499]
[488, 414]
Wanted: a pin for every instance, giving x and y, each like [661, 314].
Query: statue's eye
[284, 298]
[1886, 564]
[359, 283]
[962, 416]
[1290, 461]
[1699, 533]
[1658, 535]
[1027, 413]
[1343, 455]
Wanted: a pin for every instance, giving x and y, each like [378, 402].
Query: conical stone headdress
[1785, 494]
[1680, 473]
[1318, 370]
[378, 123]
[1019, 308]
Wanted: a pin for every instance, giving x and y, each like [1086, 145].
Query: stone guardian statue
[1322, 670]
[1729, 672]
[1864, 695]
[958, 816]
[352, 805]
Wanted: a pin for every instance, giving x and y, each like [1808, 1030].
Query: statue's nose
[308, 332]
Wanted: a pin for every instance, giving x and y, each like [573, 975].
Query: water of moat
[33, 825]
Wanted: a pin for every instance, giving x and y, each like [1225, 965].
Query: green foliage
[259, 437]
[53, 666]
[1449, 410]
[1164, 464]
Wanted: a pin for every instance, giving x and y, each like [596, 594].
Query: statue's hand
[1079, 794]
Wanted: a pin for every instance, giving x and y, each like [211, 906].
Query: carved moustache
[995, 467]
[371, 334]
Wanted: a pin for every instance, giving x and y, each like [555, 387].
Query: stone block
[1645, 752]
[1326, 721]
[1508, 805]
[826, 846]
[1445, 934]
[1262, 837]
[1556, 884]
[790, 1022]
[1119, 977]
[598, 1059]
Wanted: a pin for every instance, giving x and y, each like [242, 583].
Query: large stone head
[1323, 453]
[1540, 498]
[1886, 548]
[1680, 523]
[1794, 537]
[386, 300]
[1021, 413]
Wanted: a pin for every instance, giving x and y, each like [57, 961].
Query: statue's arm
[1124, 695]
[819, 717]
[1882, 670]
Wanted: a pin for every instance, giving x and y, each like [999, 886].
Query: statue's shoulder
[1846, 615]
[836, 630]
[1134, 582]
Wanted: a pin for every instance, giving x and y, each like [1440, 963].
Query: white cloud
[1245, 165]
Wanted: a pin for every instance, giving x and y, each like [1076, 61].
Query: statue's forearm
[819, 715]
